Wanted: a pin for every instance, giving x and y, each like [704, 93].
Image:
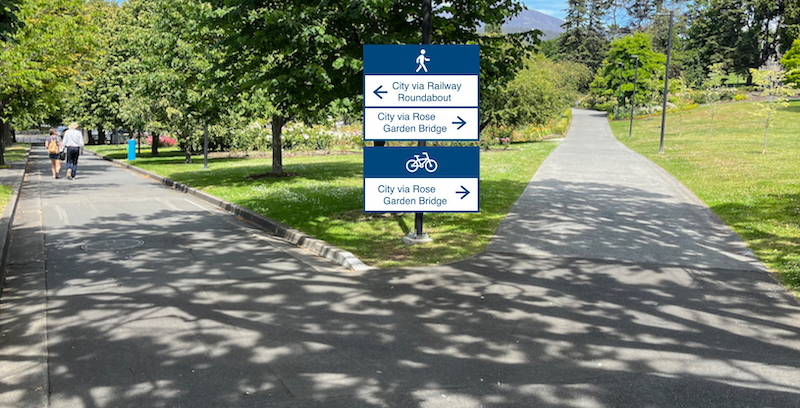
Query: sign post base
[413, 239]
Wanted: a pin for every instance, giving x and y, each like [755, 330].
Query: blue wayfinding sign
[422, 92]
[437, 59]
[421, 179]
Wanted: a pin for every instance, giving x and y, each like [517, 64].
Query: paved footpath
[609, 285]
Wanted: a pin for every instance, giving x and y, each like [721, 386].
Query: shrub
[535, 133]
[163, 140]
[537, 94]
[494, 135]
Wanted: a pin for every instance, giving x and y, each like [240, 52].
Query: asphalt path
[602, 289]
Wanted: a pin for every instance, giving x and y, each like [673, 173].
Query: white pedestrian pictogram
[421, 60]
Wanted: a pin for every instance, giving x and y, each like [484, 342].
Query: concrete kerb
[8, 217]
[317, 246]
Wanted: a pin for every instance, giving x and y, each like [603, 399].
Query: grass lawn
[325, 200]
[15, 152]
[5, 194]
[757, 195]
[12, 153]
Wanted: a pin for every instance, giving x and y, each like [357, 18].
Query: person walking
[73, 142]
[54, 146]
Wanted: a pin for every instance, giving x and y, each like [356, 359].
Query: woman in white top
[73, 142]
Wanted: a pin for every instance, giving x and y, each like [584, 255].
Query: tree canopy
[41, 59]
[307, 57]
[651, 69]
[791, 63]
[9, 22]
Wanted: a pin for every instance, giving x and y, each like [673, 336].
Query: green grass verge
[758, 195]
[15, 152]
[5, 195]
[324, 199]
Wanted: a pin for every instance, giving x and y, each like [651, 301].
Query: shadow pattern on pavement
[613, 222]
[202, 314]
[167, 324]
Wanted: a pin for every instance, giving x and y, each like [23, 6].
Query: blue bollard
[131, 150]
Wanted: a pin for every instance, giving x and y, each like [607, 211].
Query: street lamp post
[666, 83]
[427, 9]
[633, 100]
[619, 93]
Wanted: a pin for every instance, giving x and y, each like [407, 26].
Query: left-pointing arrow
[378, 92]
[462, 123]
[465, 192]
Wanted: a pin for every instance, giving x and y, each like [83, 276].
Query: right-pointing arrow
[462, 123]
[465, 192]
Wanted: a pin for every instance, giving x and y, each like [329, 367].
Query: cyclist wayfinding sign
[421, 179]
[421, 92]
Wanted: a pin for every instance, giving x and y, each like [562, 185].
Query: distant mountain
[530, 19]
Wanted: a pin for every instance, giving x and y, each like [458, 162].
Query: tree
[93, 101]
[39, 61]
[741, 34]
[791, 63]
[651, 69]
[163, 59]
[306, 56]
[584, 38]
[790, 29]
[771, 82]
[713, 92]
[9, 22]
[717, 35]
[682, 99]
[641, 12]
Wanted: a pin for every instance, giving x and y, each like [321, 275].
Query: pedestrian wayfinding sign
[421, 179]
[421, 92]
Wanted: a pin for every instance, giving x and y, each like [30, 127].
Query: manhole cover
[113, 245]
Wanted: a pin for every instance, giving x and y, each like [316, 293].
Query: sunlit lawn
[325, 199]
[13, 153]
[5, 194]
[757, 195]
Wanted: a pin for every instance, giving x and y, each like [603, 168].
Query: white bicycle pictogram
[430, 165]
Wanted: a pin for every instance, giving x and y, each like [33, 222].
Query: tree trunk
[277, 144]
[5, 137]
[154, 145]
[3, 122]
[712, 121]
[187, 148]
[101, 135]
[766, 133]
[5, 127]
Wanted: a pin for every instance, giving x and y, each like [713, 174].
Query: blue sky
[554, 8]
